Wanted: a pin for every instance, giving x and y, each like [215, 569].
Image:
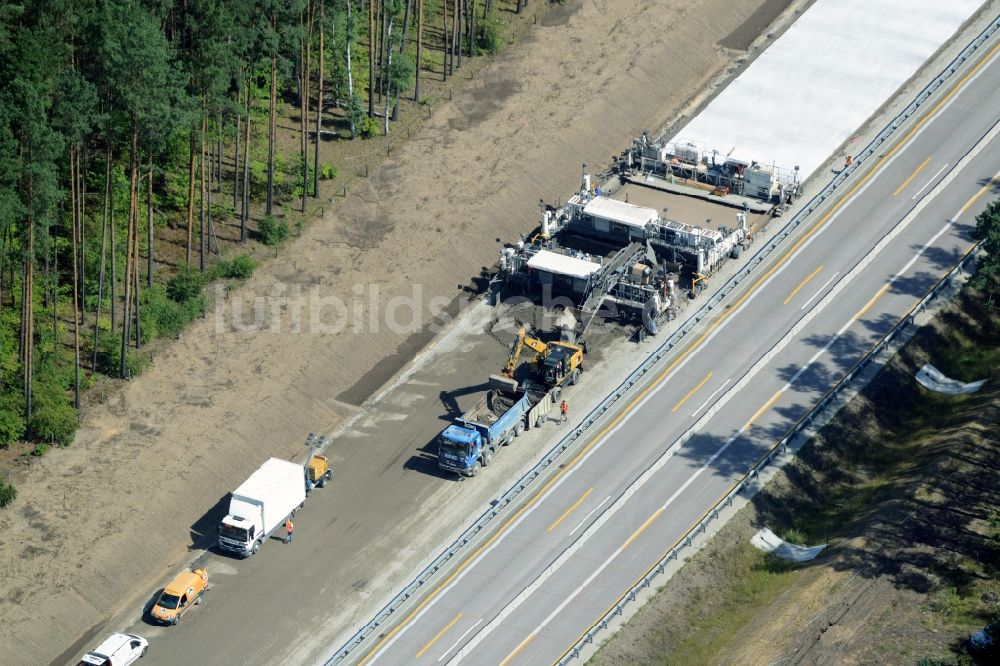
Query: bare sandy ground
[97, 523]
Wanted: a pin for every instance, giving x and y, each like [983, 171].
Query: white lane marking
[701, 470]
[528, 591]
[638, 406]
[618, 551]
[929, 181]
[460, 639]
[761, 288]
[895, 276]
[926, 245]
[820, 290]
[815, 357]
[580, 524]
[709, 398]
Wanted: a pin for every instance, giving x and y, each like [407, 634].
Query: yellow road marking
[570, 510]
[912, 176]
[677, 361]
[802, 284]
[520, 647]
[437, 636]
[527, 505]
[944, 100]
[767, 406]
[642, 528]
[964, 208]
[869, 304]
[968, 204]
[691, 393]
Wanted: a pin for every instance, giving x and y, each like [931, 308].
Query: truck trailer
[262, 504]
[469, 444]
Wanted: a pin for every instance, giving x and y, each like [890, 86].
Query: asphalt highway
[551, 569]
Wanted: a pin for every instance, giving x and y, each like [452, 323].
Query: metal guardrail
[767, 458]
[498, 506]
[781, 445]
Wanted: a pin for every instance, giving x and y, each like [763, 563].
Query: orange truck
[183, 593]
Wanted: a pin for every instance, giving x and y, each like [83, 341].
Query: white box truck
[262, 504]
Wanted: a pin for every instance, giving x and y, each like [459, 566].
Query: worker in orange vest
[564, 410]
[290, 530]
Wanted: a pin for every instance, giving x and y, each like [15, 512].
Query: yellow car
[183, 592]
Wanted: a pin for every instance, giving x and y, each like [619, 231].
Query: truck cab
[240, 534]
[459, 449]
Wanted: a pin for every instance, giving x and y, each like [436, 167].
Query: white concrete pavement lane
[468, 612]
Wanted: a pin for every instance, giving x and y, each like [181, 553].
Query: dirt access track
[97, 525]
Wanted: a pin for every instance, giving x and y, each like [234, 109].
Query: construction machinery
[556, 362]
[521, 341]
[317, 468]
[694, 165]
[698, 283]
[318, 472]
[261, 505]
[471, 442]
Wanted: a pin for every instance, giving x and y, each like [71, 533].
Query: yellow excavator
[556, 362]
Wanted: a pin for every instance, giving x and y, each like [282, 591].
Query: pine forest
[145, 151]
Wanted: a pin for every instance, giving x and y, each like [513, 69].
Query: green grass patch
[965, 359]
[750, 579]
[327, 171]
[954, 605]
[432, 60]
[273, 230]
[240, 267]
[8, 493]
[165, 316]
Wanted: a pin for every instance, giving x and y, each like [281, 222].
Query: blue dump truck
[469, 444]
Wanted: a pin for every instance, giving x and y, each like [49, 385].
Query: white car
[118, 650]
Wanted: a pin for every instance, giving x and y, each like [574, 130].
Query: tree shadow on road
[993, 182]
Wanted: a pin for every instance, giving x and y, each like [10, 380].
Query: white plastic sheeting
[823, 78]
[933, 379]
[561, 264]
[621, 212]
[769, 542]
